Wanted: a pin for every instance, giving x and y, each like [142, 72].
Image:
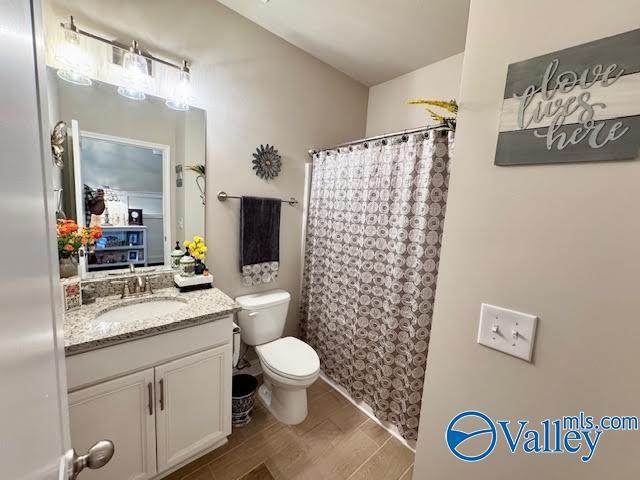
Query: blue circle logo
[457, 438]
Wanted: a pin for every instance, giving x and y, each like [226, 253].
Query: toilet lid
[289, 357]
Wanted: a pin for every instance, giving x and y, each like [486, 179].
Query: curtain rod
[313, 151]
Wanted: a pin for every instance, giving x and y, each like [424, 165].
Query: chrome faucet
[141, 286]
[140, 283]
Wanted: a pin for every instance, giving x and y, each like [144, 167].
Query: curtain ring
[384, 142]
[405, 138]
[426, 134]
[351, 148]
[366, 145]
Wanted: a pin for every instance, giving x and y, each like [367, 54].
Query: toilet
[289, 365]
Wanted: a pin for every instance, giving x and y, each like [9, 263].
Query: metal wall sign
[581, 104]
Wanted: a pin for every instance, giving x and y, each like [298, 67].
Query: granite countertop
[82, 332]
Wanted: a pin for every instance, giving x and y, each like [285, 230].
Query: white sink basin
[141, 310]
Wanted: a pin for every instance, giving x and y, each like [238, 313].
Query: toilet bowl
[289, 365]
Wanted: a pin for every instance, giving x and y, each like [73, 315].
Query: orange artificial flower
[71, 238]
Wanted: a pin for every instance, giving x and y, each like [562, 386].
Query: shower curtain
[371, 262]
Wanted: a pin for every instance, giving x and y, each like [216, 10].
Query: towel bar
[223, 196]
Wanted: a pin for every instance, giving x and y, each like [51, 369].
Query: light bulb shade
[135, 76]
[181, 94]
[135, 65]
[75, 64]
[131, 93]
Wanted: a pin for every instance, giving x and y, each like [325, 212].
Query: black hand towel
[259, 230]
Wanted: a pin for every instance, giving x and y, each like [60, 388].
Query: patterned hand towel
[259, 239]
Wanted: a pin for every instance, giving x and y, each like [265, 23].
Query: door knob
[97, 457]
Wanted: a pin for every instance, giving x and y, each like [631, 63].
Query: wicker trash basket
[243, 398]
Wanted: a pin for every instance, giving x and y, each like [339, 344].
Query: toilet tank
[263, 316]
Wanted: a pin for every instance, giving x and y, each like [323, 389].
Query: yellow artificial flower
[196, 248]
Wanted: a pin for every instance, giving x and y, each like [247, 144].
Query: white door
[122, 411]
[33, 408]
[192, 404]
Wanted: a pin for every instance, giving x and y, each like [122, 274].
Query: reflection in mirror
[122, 181]
[135, 168]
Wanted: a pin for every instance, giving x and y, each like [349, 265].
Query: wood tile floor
[335, 442]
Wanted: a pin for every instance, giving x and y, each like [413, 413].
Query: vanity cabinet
[190, 412]
[159, 417]
[117, 410]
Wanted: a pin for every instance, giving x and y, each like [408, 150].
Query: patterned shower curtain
[371, 262]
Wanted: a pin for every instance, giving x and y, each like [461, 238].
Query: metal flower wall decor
[58, 140]
[267, 162]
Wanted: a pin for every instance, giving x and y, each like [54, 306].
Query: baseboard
[364, 408]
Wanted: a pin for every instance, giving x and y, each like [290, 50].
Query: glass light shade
[75, 63]
[131, 93]
[181, 95]
[135, 78]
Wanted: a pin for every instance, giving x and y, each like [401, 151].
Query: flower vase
[199, 267]
[68, 267]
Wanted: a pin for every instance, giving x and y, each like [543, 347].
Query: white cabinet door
[193, 404]
[120, 410]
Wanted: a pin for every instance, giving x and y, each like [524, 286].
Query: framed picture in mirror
[133, 238]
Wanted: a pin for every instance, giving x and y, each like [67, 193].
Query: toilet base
[287, 405]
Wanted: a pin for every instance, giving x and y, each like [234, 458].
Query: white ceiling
[370, 40]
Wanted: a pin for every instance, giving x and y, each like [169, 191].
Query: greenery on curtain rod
[451, 106]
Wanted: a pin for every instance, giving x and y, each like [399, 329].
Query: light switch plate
[508, 331]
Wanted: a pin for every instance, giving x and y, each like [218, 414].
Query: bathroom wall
[558, 241]
[256, 89]
[388, 110]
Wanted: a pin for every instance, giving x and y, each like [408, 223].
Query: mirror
[136, 168]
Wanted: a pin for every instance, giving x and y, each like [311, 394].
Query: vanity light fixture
[136, 74]
[74, 61]
[181, 95]
[135, 63]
